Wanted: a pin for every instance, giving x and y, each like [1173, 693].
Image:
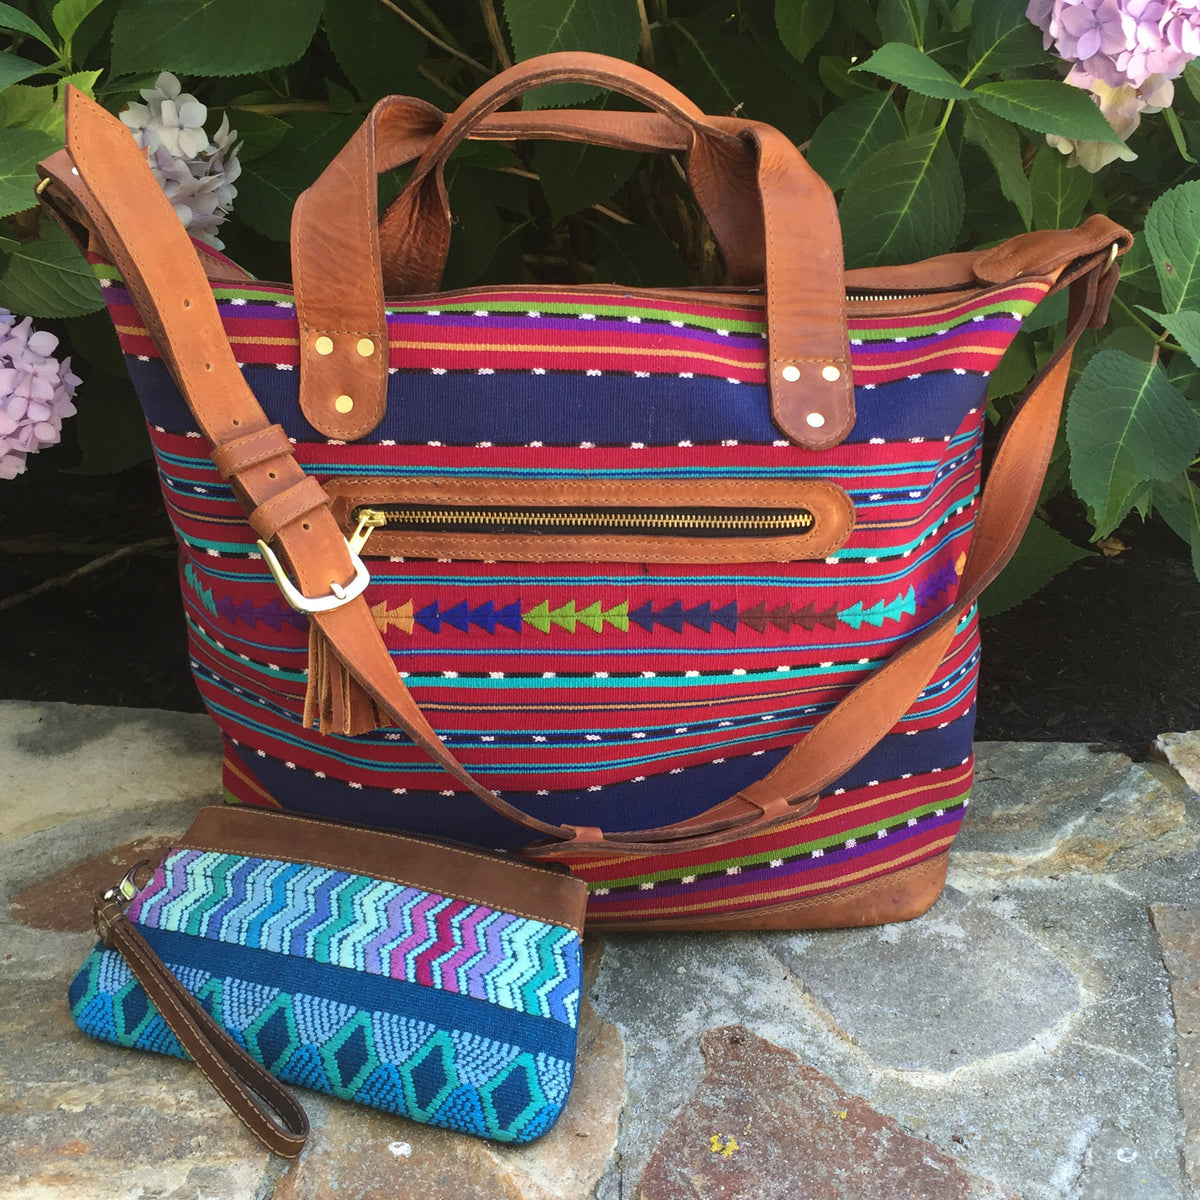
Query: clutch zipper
[579, 521]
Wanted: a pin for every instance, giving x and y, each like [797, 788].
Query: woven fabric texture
[618, 695]
[431, 1007]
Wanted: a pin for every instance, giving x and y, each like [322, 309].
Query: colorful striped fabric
[428, 1006]
[615, 695]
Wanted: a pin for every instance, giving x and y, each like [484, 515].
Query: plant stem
[87, 569]
[495, 33]
[441, 85]
[1161, 340]
[437, 41]
[647, 45]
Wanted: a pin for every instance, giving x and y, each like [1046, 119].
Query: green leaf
[475, 232]
[1060, 192]
[20, 152]
[543, 26]
[49, 278]
[638, 255]
[16, 21]
[373, 45]
[1178, 503]
[726, 74]
[1002, 144]
[904, 21]
[258, 133]
[1172, 119]
[1046, 106]
[1173, 237]
[84, 81]
[850, 134]
[921, 113]
[68, 15]
[1137, 270]
[217, 37]
[32, 108]
[1041, 555]
[907, 66]
[14, 69]
[1126, 426]
[269, 186]
[801, 23]
[904, 203]
[1003, 38]
[1183, 326]
[837, 79]
[575, 176]
[1014, 370]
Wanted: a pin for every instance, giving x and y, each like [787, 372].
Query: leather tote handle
[812, 394]
[338, 247]
[110, 188]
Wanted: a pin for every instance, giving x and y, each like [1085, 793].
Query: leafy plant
[930, 119]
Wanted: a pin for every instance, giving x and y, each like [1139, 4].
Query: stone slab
[1178, 928]
[61, 759]
[959, 987]
[762, 1125]
[1182, 751]
[1076, 810]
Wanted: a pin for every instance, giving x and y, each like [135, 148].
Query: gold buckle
[339, 593]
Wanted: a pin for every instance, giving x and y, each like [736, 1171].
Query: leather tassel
[334, 700]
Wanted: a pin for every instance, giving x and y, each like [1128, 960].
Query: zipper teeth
[800, 519]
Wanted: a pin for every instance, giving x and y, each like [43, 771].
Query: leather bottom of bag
[898, 896]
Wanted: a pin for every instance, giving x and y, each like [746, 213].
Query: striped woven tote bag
[674, 587]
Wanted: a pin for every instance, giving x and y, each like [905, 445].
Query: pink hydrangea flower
[35, 392]
[1125, 52]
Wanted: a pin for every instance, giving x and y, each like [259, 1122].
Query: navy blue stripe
[372, 993]
[516, 408]
[658, 800]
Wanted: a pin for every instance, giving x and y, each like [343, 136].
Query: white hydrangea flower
[196, 174]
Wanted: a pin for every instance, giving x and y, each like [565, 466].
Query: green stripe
[564, 306]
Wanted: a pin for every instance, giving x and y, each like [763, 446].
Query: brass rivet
[815, 419]
[323, 345]
[831, 373]
[365, 347]
[790, 373]
[343, 404]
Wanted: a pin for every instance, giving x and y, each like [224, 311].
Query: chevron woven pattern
[367, 925]
[431, 1007]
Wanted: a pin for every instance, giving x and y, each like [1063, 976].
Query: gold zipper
[681, 521]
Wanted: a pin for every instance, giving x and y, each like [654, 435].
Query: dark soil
[1108, 653]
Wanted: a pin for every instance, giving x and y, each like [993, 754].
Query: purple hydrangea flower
[35, 392]
[1125, 52]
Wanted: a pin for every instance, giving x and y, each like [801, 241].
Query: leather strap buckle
[339, 593]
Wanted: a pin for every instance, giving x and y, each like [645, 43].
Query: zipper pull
[369, 519]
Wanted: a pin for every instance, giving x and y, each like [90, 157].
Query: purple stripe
[494, 952]
[765, 873]
[651, 330]
[398, 908]
[169, 881]
[1005, 325]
